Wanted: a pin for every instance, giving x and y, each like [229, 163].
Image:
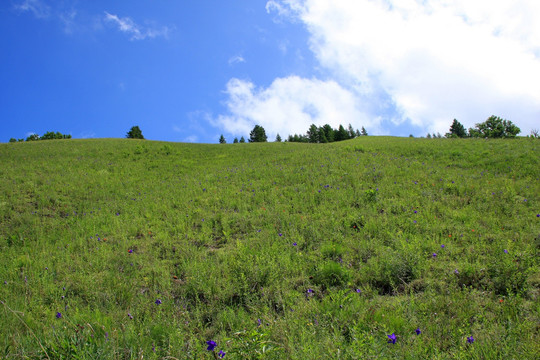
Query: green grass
[274, 250]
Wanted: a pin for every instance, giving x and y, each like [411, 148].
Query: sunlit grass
[282, 250]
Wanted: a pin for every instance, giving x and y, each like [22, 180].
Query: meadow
[372, 248]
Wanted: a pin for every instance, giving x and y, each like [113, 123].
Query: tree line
[50, 135]
[493, 127]
[321, 134]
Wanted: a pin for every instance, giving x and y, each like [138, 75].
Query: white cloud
[137, 32]
[289, 105]
[37, 7]
[236, 59]
[431, 61]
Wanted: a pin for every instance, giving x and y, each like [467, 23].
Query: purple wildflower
[505, 251]
[434, 255]
[58, 315]
[130, 316]
[309, 291]
[392, 338]
[456, 271]
[294, 244]
[158, 302]
[221, 354]
[358, 291]
[443, 246]
[211, 345]
[470, 339]
[418, 331]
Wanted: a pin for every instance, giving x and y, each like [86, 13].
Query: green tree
[456, 130]
[235, 141]
[242, 140]
[49, 135]
[328, 133]
[364, 132]
[12, 140]
[278, 138]
[352, 133]
[33, 137]
[312, 134]
[321, 135]
[495, 127]
[341, 134]
[257, 134]
[135, 133]
[222, 139]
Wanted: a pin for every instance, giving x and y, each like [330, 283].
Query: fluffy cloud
[289, 105]
[128, 26]
[423, 62]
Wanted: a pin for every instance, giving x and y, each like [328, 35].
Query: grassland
[125, 249]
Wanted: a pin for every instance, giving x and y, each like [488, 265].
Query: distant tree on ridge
[135, 133]
[257, 134]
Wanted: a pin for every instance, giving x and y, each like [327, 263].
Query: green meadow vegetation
[372, 248]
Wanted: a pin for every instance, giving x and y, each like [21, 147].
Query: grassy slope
[213, 228]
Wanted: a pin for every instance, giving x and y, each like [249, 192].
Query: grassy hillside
[128, 248]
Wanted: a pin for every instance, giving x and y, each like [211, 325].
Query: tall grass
[127, 249]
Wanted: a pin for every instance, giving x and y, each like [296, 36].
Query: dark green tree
[50, 135]
[257, 134]
[341, 134]
[135, 133]
[312, 134]
[235, 141]
[495, 127]
[328, 133]
[352, 133]
[364, 132]
[12, 140]
[456, 130]
[321, 136]
[222, 139]
[278, 138]
[33, 137]
[242, 140]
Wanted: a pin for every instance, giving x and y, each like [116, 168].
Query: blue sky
[189, 71]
